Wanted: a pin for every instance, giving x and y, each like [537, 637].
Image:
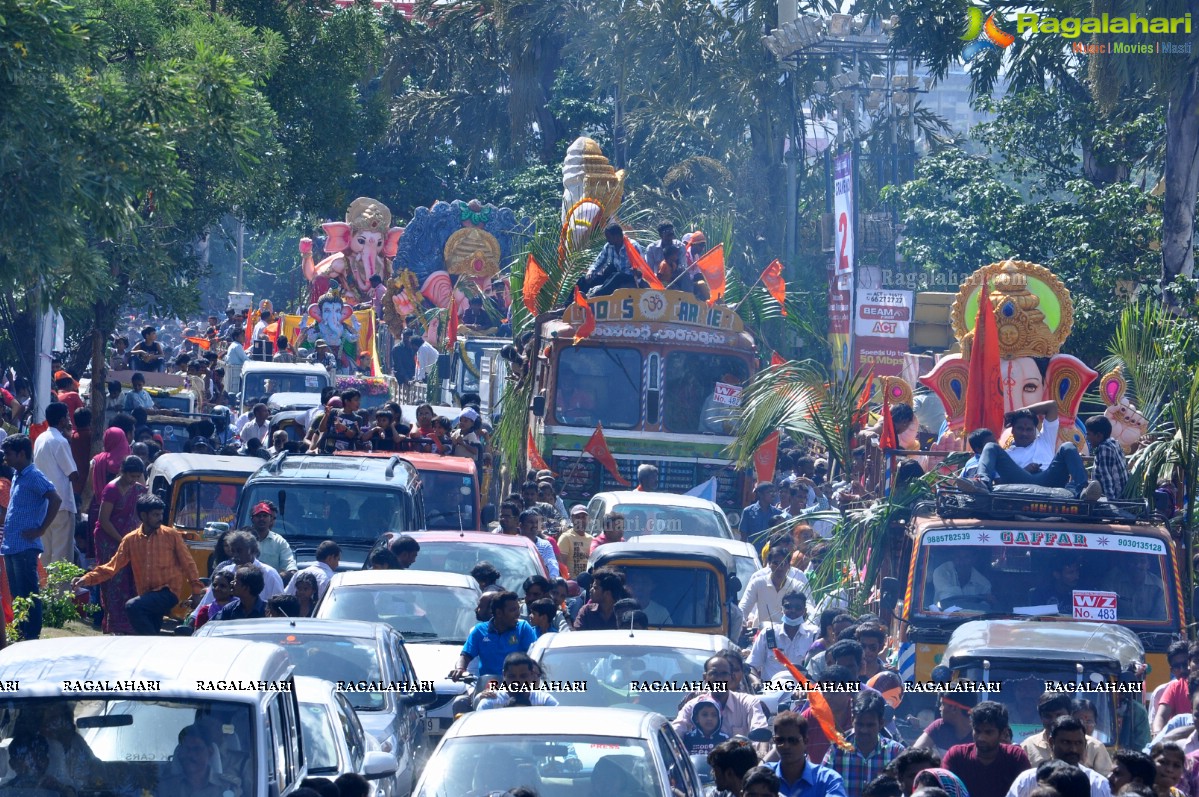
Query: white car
[434, 612]
[560, 751]
[659, 513]
[335, 742]
[613, 663]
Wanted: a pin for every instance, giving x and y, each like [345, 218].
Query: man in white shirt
[243, 550]
[426, 357]
[256, 427]
[958, 578]
[1068, 739]
[1034, 458]
[792, 636]
[328, 559]
[762, 601]
[52, 456]
[235, 358]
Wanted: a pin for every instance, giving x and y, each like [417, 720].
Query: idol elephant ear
[392, 244]
[338, 233]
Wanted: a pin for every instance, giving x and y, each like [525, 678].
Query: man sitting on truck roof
[611, 270]
[1034, 457]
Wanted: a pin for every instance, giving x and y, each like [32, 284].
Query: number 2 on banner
[843, 229]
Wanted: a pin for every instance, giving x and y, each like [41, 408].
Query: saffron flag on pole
[451, 326]
[821, 709]
[535, 459]
[984, 401]
[711, 265]
[588, 326]
[766, 457]
[641, 267]
[534, 280]
[772, 278]
[597, 447]
[203, 343]
[775, 359]
[887, 438]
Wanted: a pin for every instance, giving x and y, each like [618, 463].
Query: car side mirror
[378, 764]
[215, 528]
[890, 594]
[538, 406]
[488, 514]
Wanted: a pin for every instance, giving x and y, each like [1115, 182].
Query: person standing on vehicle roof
[273, 549]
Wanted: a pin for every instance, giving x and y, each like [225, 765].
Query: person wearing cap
[138, 397]
[323, 356]
[695, 243]
[575, 542]
[272, 548]
[755, 518]
[466, 436]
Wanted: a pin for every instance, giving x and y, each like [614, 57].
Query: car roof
[386, 578]
[280, 368]
[653, 548]
[476, 537]
[557, 721]
[739, 548]
[370, 471]
[657, 499]
[625, 638]
[352, 629]
[1025, 641]
[42, 665]
[172, 466]
[421, 461]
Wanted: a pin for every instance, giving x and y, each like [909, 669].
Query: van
[350, 500]
[451, 490]
[119, 705]
[260, 381]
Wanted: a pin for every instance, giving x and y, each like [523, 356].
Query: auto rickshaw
[679, 589]
[200, 489]
[1029, 658]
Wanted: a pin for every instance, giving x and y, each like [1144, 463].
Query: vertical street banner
[840, 289]
[881, 326]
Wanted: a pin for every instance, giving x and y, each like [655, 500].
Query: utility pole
[241, 243]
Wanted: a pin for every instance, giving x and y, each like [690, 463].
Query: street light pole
[241, 242]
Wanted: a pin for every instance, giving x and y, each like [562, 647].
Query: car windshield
[199, 503]
[1091, 575]
[515, 563]
[123, 746]
[703, 391]
[421, 613]
[673, 597]
[567, 764]
[644, 519]
[449, 500]
[611, 674]
[259, 386]
[1023, 686]
[331, 658]
[599, 385]
[345, 514]
[320, 739]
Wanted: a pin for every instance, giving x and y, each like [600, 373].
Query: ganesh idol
[329, 319]
[1034, 316]
[358, 248]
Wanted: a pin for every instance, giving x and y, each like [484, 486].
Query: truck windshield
[1092, 575]
[128, 746]
[692, 403]
[344, 514]
[599, 386]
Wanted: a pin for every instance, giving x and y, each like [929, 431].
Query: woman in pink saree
[118, 517]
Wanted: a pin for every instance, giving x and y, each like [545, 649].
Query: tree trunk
[1182, 180]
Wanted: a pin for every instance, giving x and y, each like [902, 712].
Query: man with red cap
[272, 548]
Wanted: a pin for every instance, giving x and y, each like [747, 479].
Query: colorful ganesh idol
[1034, 315]
[331, 320]
[358, 248]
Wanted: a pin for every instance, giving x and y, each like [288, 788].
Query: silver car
[335, 742]
[587, 752]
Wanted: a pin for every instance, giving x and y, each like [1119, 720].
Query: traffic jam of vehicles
[565, 544]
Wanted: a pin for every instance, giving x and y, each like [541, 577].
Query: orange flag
[535, 459]
[775, 359]
[639, 264]
[887, 438]
[711, 265]
[772, 278]
[203, 343]
[766, 457]
[451, 326]
[251, 320]
[821, 710]
[597, 447]
[984, 402]
[588, 325]
[534, 280]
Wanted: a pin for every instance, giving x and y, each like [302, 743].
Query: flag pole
[749, 290]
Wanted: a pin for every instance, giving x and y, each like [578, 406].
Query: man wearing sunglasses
[762, 601]
[800, 776]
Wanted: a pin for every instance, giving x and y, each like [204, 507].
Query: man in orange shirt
[161, 562]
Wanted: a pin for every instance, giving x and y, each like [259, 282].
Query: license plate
[432, 725]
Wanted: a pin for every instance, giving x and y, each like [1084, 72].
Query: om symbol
[652, 305]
